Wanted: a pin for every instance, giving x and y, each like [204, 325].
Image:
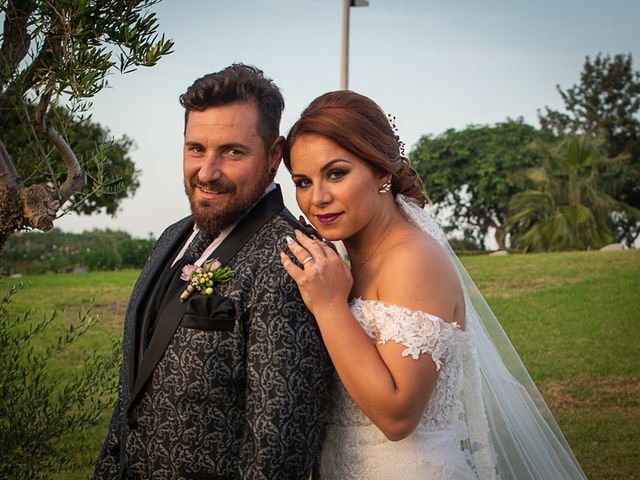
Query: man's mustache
[217, 186]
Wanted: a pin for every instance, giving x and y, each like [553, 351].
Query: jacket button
[132, 423]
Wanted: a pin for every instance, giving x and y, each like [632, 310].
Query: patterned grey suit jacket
[233, 385]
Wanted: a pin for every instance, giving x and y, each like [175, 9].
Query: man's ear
[275, 153]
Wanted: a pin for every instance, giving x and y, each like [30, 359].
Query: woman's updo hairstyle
[358, 125]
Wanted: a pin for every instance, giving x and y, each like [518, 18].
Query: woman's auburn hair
[359, 125]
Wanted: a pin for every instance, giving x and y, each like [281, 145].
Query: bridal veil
[512, 433]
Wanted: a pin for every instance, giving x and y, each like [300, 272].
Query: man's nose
[210, 170]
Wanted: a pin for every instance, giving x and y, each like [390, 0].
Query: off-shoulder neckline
[360, 300]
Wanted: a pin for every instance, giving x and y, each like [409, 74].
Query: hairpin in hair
[392, 122]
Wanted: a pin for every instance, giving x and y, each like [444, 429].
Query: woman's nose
[321, 195]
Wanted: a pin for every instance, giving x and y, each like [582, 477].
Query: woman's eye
[301, 183]
[336, 173]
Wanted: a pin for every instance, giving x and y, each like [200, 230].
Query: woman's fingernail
[298, 233]
[289, 239]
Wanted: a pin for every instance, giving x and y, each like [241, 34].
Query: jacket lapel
[170, 317]
[265, 209]
[145, 285]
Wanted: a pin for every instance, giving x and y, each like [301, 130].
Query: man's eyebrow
[224, 146]
[227, 146]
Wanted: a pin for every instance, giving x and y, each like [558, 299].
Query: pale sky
[432, 64]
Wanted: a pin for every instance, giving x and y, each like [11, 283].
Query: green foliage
[103, 256]
[465, 173]
[57, 251]
[76, 44]
[565, 205]
[37, 408]
[111, 174]
[60, 53]
[606, 103]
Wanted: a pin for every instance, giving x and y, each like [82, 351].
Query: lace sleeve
[419, 332]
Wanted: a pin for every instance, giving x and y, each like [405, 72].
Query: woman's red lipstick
[328, 217]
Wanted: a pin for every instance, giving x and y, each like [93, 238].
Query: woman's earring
[386, 187]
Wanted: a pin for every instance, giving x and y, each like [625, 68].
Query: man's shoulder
[176, 228]
[172, 231]
[179, 225]
[280, 225]
[285, 218]
[269, 239]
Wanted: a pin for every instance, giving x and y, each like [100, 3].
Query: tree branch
[16, 39]
[76, 176]
[27, 79]
[39, 115]
[9, 176]
[48, 55]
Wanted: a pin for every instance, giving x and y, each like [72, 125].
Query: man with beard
[224, 372]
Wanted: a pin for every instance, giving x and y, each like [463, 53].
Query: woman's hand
[312, 233]
[324, 279]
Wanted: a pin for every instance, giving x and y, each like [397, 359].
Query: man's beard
[213, 218]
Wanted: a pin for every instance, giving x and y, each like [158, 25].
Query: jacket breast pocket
[210, 312]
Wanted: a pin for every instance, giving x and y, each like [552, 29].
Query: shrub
[56, 251]
[36, 407]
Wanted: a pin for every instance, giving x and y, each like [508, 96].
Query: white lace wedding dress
[356, 449]
[485, 418]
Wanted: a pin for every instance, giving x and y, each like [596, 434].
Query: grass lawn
[573, 317]
[67, 294]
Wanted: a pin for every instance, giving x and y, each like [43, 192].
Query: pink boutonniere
[202, 279]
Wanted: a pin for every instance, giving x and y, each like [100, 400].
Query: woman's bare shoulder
[418, 274]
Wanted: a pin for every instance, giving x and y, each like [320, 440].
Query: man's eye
[196, 148]
[336, 173]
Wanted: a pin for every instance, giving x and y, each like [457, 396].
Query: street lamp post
[344, 64]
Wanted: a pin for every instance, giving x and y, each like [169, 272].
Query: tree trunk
[11, 215]
[500, 237]
[31, 207]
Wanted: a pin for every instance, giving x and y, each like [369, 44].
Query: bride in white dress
[424, 391]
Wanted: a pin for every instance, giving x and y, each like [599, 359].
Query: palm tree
[566, 205]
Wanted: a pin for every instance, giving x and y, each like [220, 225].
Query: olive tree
[59, 52]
